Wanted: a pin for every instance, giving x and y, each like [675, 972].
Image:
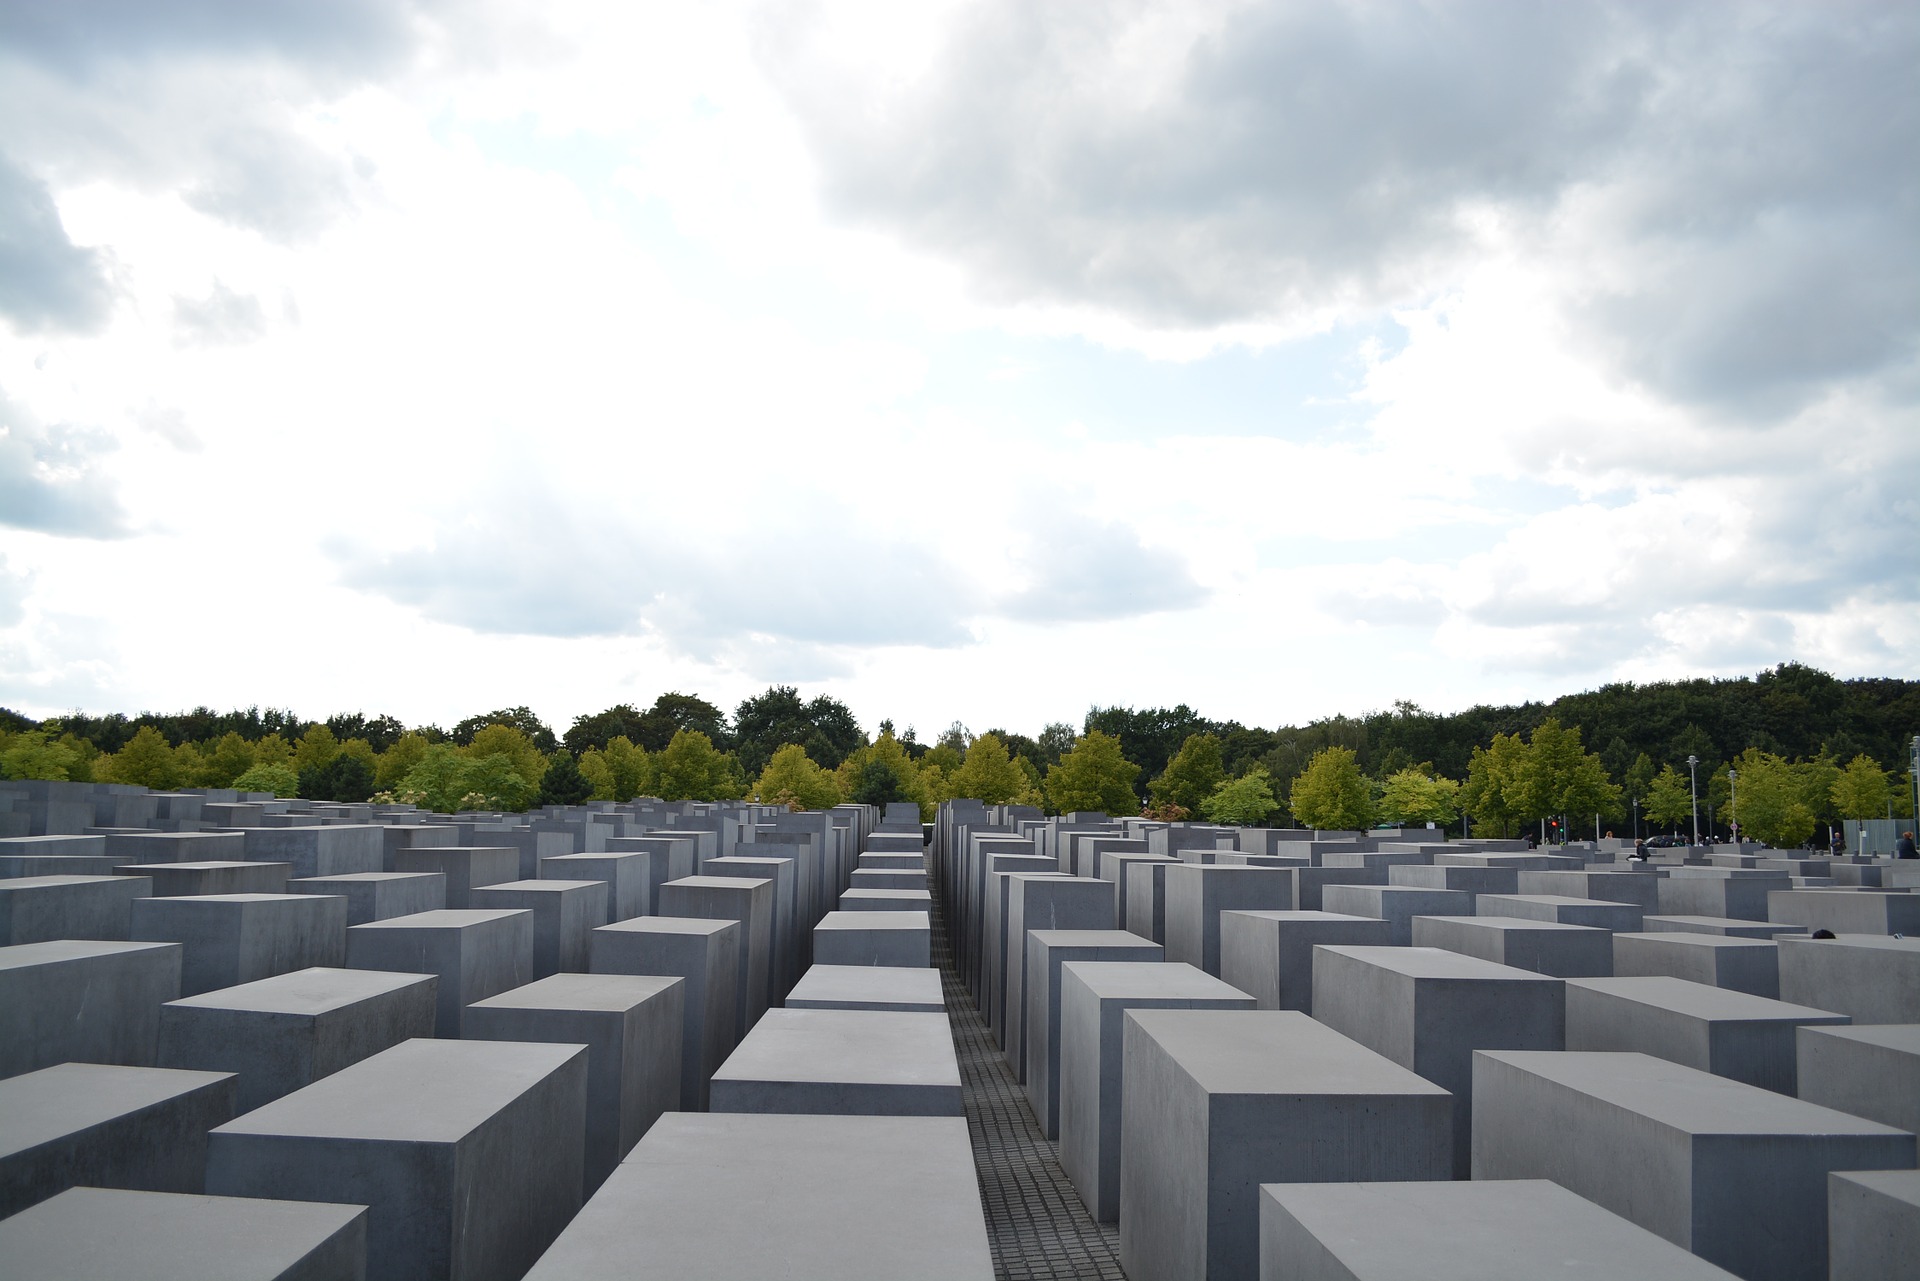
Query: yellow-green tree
[1331, 794]
[513, 743]
[228, 758]
[691, 769]
[36, 754]
[315, 750]
[1669, 801]
[1767, 794]
[620, 771]
[1860, 790]
[1094, 775]
[273, 750]
[1191, 776]
[1494, 776]
[398, 761]
[990, 773]
[146, 761]
[1417, 795]
[792, 779]
[1243, 801]
[883, 772]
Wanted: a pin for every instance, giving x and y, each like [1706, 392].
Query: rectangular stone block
[1737, 964]
[475, 954]
[281, 1034]
[1732, 1034]
[110, 1234]
[1869, 977]
[705, 954]
[880, 861]
[1145, 880]
[96, 1125]
[1873, 1225]
[379, 896]
[868, 987]
[1215, 1103]
[1567, 911]
[1734, 1173]
[1113, 868]
[1642, 889]
[631, 1025]
[237, 938]
[876, 879]
[1744, 898]
[627, 876]
[177, 847]
[1428, 1010]
[464, 867]
[873, 938]
[1047, 951]
[1044, 903]
[83, 1001]
[1198, 893]
[1470, 880]
[1847, 911]
[39, 909]
[676, 1201]
[783, 906]
[842, 1063]
[1507, 1230]
[857, 900]
[1544, 947]
[171, 880]
[565, 914]
[333, 850]
[748, 901]
[1269, 955]
[1725, 926]
[467, 1154]
[1094, 997]
[1871, 1071]
[1397, 905]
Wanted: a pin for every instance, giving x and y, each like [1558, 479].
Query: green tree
[563, 783]
[315, 748]
[346, 777]
[622, 720]
[792, 779]
[673, 712]
[438, 780]
[1093, 776]
[690, 769]
[620, 771]
[883, 772]
[36, 754]
[146, 761]
[1416, 795]
[398, 761]
[1813, 781]
[1669, 800]
[277, 779]
[492, 783]
[766, 722]
[1244, 802]
[513, 743]
[1191, 776]
[273, 749]
[1860, 790]
[1638, 779]
[520, 718]
[990, 773]
[230, 757]
[1493, 775]
[1331, 794]
[1770, 808]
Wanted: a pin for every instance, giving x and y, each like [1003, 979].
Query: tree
[990, 773]
[563, 783]
[1151, 735]
[622, 720]
[1770, 808]
[511, 742]
[492, 783]
[315, 748]
[438, 780]
[277, 779]
[1669, 801]
[690, 769]
[380, 732]
[230, 757]
[520, 718]
[36, 754]
[673, 712]
[620, 772]
[273, 749]
[1331, 794]
[766, 722]
[1860, 790]
[347, 777]
[792, 779]
[1093, 776]
[1416, 795]
[1055, 741]
[1244, 802]
[1191, 776]
[146, 761]
[398, 761]
[881, 773]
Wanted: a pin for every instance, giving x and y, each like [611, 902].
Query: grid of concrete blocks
[255, 1038]
[1389, 1056]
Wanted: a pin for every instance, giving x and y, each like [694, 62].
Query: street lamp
[1636, 820]
[1733, 805]
[1693, 787]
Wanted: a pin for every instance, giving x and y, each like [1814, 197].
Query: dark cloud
[78, 35]
[1082, 570]
[223, 318]
[48, 481]
[46, 281]
[1742, 175]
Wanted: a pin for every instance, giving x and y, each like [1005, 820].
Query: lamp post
[1913, 775]
[1733, 805]
[1636, 820]
[1693, 788]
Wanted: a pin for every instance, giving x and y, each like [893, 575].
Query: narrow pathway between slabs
[1036, 1224]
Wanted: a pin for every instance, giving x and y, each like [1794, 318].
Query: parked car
[1665, 842]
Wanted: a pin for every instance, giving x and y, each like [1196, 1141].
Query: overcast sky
[979, 362]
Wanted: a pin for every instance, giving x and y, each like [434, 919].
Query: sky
[978, 362]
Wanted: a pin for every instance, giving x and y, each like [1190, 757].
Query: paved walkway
[1036, 1223]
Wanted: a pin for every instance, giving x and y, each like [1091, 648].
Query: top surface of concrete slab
[673, 925]
[1434, 963]
[609, 992]
[422, 1091]
[1149, 980]
[53, 951]
[447, 918]
[876, 983]
[880, 1047]
[873, 921]
[1273, 1052]
[1683, 1098]
[309, 991]
[38, 1107]
[1697, 1000]
[1904, 1037]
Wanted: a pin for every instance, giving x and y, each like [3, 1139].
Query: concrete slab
[475, 953]
[706, 954]
[1870, 977]
[1737, 964]
[1269, 955]
[677, 1202]
[873, 938]
[565, 914]
[468, 1154]
[748, 900]
[378, 896]
[1047, 951]
[627, 877]
[1046, 902]
[842, 1063]
[1543, 947]
[280, 1034]
[465, 867]
[1742, 897]
[1397, 905]
[1725, 926]
[1858, 911]
[1732, 1034]
[170, 880]
[73, 1000]
[1873, 1225]
[905, 989]
[332, 850]
[1567, 911]
[237, 938]
[39, 909]
[1198, 893]
[1871, 1071]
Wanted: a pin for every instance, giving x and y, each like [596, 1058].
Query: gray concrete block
[464, 867]
[627, 877]
[379, 896]
[1094, 997]
[1543, 947]
[842, 1063]
[1397, 905]
[468, 1154]
[1567, 911]
[893, 879]
[1734, 1173]
[1725, 926]
[853, 1198]
[1215, 1103]
[1847, 911]
[748, 900]
[1470, 880]
[906, 989]
[1873, 1225]
[39, 909]
[84, 1001]
[475, 954]
[237, 938]
[1640, 888]
[1047, 951]
[171, 880]
[1145, 880]
[333, 850]
[565, 914]
[631, 1025]
[110, 1234]
[1744, 898]
[1737, 964]
[784, 923]
[1510, 1230]
[1044, 903]
[1732, 1034]
[703, 952]
[177, 847]
[281, 1034]
[1871, 1071]
[1869, 977]
[873, 938]
[1198, 893]
[1428, 1010]
[97, 1125]
[1269, 955]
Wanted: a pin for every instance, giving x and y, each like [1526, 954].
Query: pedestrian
[1640, 850]
[1904, 848]
[1838, 845]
